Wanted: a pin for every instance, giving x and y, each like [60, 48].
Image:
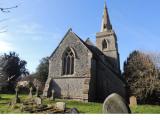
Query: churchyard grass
[84, 108]
[89, 108]
[146, 109]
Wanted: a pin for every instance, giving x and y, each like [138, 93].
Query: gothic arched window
[104, 44]
[68, 62]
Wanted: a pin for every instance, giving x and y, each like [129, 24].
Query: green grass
[146, 109]
[4, 103]
[84, 108]
[89, 108]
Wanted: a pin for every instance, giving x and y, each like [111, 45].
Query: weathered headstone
[74, 111]
[52, 96]
[37, 91]
[133, 101]
[38, 100]
[30, 92]
[17, 99]
[61, 106]
[114, 103]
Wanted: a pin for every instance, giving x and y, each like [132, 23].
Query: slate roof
[97, 54]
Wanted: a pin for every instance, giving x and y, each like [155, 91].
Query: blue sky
[36, 27]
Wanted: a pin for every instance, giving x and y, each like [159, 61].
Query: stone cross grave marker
[37, 91]
[115, 104]
[17, 100]
[30, 92]
[53, 96]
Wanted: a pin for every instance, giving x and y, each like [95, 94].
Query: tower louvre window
[104, 44]
[68, 62]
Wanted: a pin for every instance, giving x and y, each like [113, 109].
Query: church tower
[106, 41]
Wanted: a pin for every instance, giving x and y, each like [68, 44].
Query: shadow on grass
[5, 99]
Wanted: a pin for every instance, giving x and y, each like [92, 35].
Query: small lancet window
[104, 44]
[68, 62]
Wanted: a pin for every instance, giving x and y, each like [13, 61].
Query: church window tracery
[68, 62]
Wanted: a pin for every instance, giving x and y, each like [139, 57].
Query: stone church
[80, 70]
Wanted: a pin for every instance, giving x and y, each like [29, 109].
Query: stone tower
[106, 41]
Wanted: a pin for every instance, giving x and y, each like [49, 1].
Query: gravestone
[52, 96]
[74, 111]
[61, 106]
[114, 103]
[16, 99]
[38, 100]
[30, 92]
[37, 91]
[133, 101]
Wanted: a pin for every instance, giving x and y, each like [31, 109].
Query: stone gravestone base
[114, 103]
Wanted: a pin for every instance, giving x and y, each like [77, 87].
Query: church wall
[77, 85]
[68, 87]
[82, 62]
[107, 83]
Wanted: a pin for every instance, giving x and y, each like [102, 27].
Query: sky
[36, 27]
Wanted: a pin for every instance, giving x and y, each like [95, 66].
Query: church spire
[106, 25]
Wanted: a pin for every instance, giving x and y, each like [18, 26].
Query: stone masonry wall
[70, 85]
[107, 83]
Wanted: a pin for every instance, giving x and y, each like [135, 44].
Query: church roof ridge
[68, 31]
[88, 41]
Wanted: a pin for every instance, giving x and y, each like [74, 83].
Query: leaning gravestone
[114, 103]
[74, 111]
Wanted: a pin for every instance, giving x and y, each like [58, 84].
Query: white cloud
[31, 28]
[5, 45]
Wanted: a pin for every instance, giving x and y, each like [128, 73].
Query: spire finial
[106, 25]
[105, 5]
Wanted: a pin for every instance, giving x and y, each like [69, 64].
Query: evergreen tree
[13, 67]
[42, 70]
[141, 75]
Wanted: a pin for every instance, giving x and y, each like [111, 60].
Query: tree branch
[6, 10]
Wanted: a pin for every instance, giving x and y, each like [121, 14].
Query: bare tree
[155, 57]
